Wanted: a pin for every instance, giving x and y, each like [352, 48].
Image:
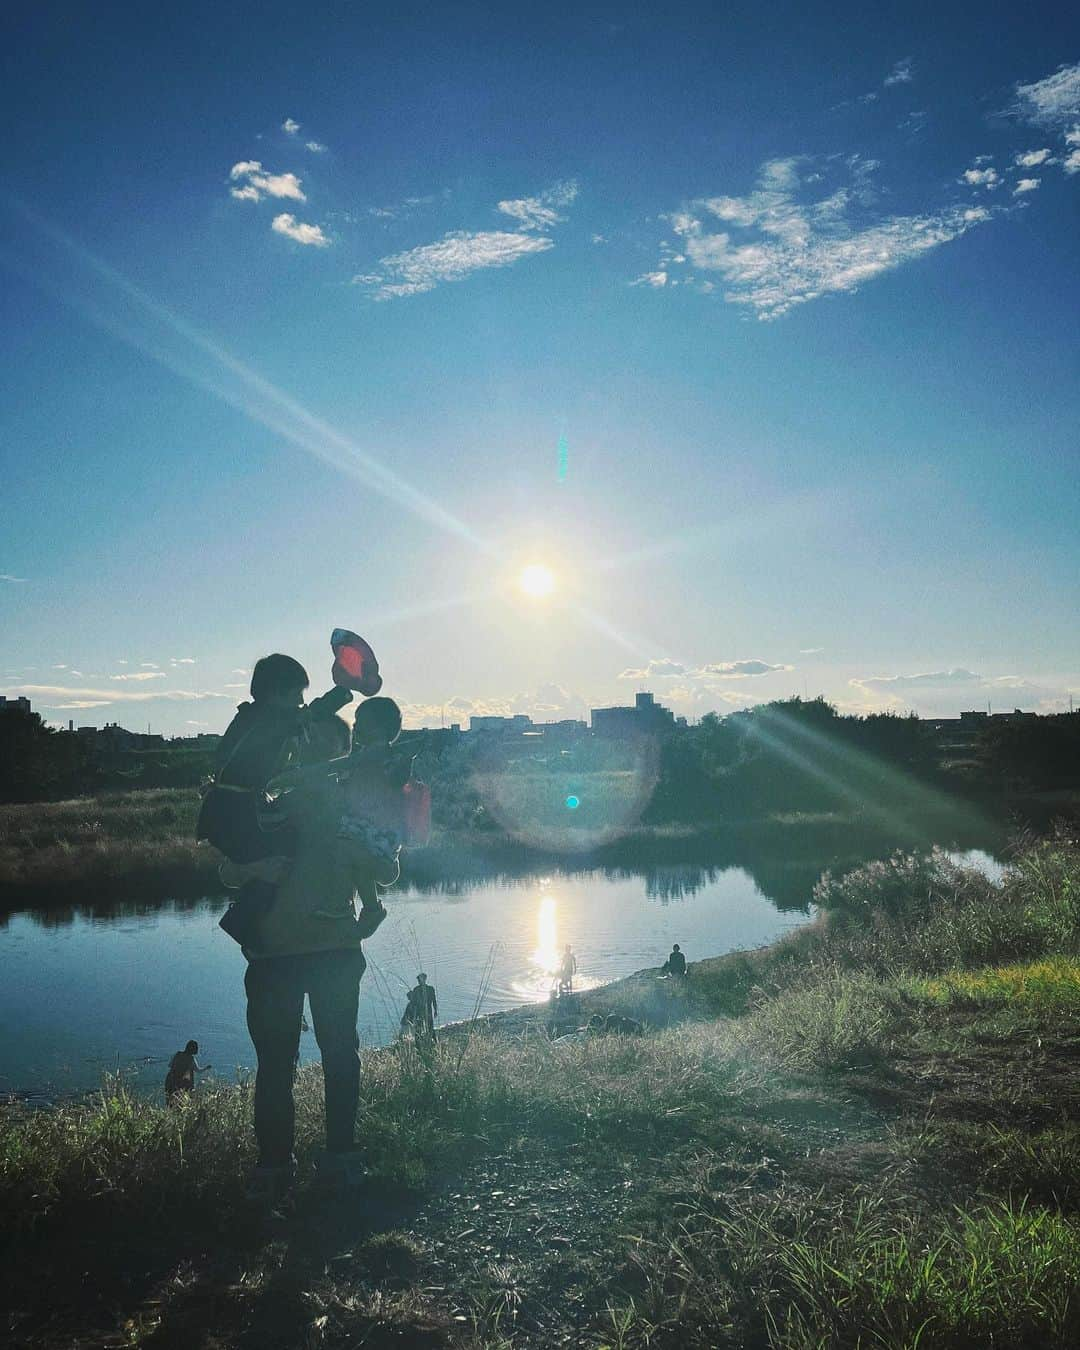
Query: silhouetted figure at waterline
[180, 1080]
[676, 962]
[421, 1010]
[567, 971]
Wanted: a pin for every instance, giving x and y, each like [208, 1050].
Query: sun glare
[537, 581]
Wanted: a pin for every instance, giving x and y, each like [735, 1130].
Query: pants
[275, 989]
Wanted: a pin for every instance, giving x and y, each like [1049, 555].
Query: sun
[537, 581]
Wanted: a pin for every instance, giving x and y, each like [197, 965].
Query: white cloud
[541, 212]
[740, 670]
[793, 251]
[239, 670]
[149, 665]
[1026, 185]
[599, 239]
[316, 147]
[190, 723]
[234, 686]
[659, 668]
[935, 679]
[302, 233]
[1031, 159]
[656, 280]
[982, 178]
[1072, 160]
[182, 660]
[451, 258]
[1051, 102]
[810, 651]
[6, 576]
[665, 668]
[290, 127]
[255, 183]
[141, 675]
[902, 73]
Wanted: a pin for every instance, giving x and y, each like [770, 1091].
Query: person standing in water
[567, 971]
[421, 1009]
[180, 1080]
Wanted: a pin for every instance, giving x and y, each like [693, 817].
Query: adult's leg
[275, 1006]
[333, 985]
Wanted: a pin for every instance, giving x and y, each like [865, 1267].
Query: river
[86, 992]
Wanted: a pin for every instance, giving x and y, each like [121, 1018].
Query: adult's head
[377, 722]
[421, 978]
[675, 947]
[279, 681]
[192, 1048]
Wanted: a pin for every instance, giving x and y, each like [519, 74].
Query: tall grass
[804, 1274]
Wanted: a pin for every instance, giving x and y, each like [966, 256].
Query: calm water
[83, 994]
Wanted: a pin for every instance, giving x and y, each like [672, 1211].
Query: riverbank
[864, 1134]
[141, 846]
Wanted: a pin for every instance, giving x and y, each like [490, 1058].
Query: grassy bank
[863, 1136]
[141, 846]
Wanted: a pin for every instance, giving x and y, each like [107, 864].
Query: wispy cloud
[1026, 185]
[541, 212]
[452, 258]
[664, 668]
[7, 576]
[933, 679]
[793, 240]
[182, 660]
[252, 183]
[902, 73]
[461, 252]
[657, 280]
[740, 670]
[1053, 102]
[290, 126]
[316, 147]
[61, 696]
[302, 233]
[1072, 159]
[140, 675]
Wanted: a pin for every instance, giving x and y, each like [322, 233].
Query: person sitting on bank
[676, 962]
[180, 1080]
[421, 1009]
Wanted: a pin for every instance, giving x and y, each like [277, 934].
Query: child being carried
[371, 827]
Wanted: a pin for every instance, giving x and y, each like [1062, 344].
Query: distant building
[646, 717]
[15, 705]
[502, 726]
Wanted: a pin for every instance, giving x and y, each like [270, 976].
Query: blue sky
[297, 306]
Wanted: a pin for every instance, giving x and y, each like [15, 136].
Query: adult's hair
[277, 674]
[192, 1048]
[377, 719]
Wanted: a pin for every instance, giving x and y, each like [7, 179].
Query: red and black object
[355, 666]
